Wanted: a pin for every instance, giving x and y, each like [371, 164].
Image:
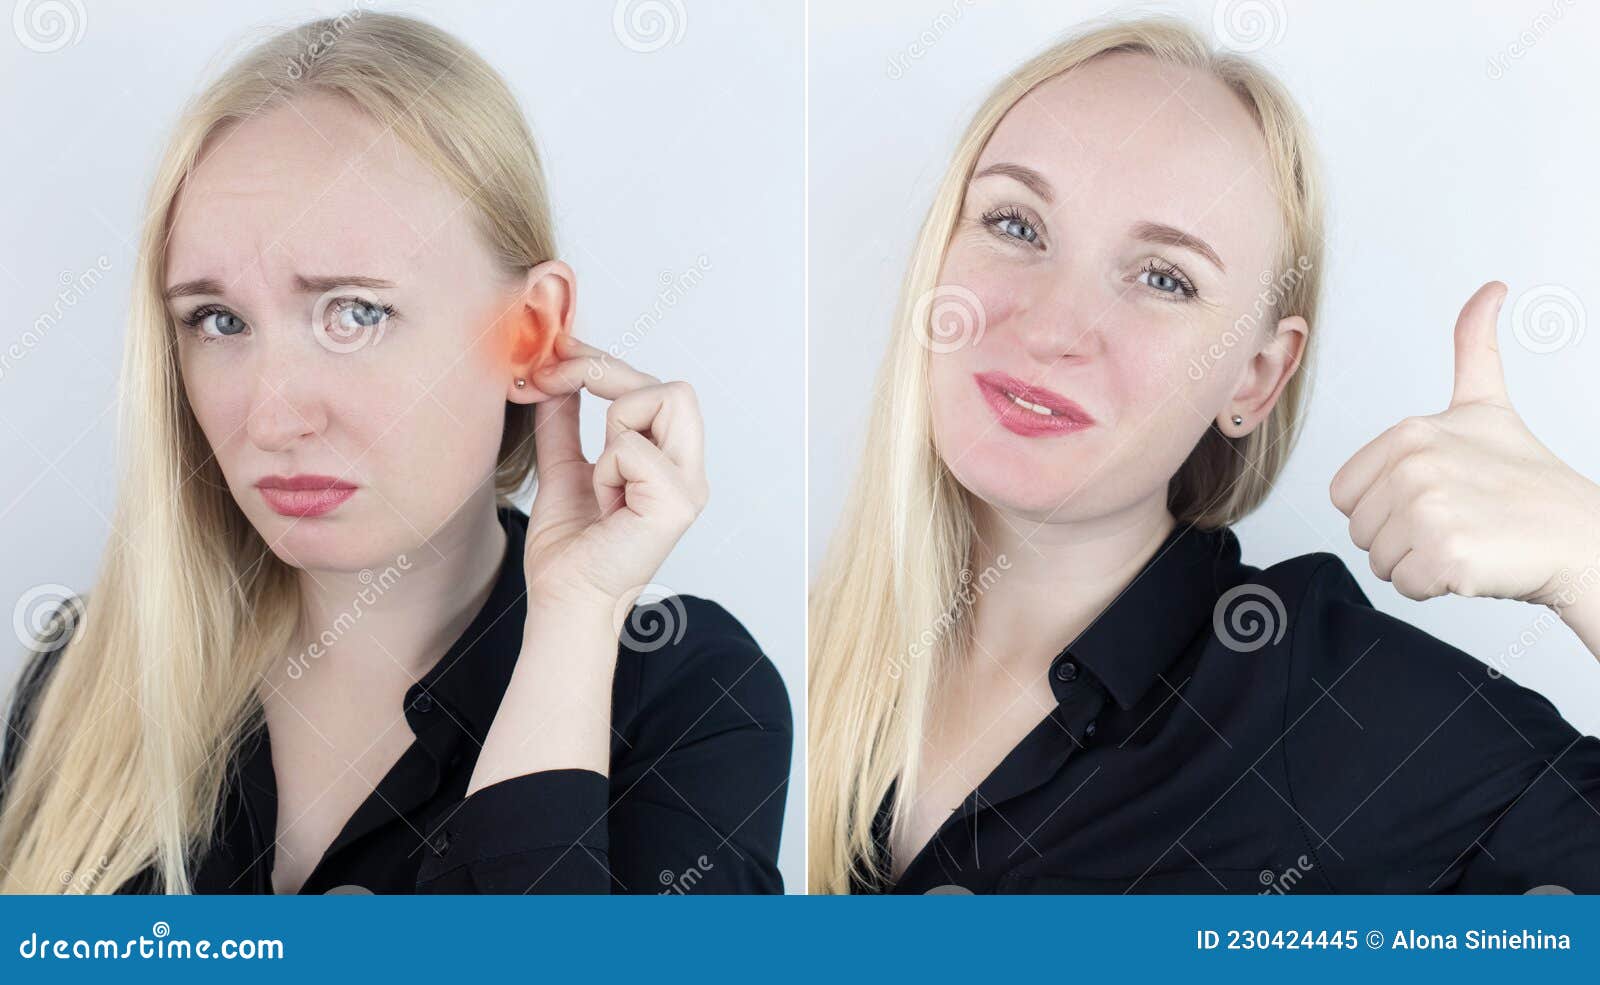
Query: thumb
[1479, 378]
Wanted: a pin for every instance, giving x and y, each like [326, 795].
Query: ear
[1264, 378]
[541, 314]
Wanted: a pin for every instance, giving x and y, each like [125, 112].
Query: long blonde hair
[125, 763]
[896, 561]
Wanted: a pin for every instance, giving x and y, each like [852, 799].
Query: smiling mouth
[1029, 410]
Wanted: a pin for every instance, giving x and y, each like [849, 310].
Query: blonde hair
[896, 561]
[126, 759]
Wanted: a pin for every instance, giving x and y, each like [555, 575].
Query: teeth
[1036, 408]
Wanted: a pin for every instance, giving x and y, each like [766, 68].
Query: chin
[322, 543]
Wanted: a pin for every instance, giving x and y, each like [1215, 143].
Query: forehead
[1126, 138]
[314, 186]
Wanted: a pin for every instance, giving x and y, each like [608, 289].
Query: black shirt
[1222, 728]
[700, 747]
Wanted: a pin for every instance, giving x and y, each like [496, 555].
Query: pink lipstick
[304, 495]
[1028, 410]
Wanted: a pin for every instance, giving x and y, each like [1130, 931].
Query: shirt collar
[1145, 628]
[471, 678]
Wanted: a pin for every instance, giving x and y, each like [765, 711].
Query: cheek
[221, 404]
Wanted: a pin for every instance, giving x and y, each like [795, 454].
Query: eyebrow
[1035, 181]
[302, 284]
[1156, 232]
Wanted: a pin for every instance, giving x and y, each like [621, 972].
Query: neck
[1057, 576]
[401, 616]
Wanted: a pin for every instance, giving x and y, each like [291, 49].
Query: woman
[325, 652]
[1037, 663]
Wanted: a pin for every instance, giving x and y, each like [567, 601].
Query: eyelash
[194, 318]
[994, 219]
[1010, 213]
[1158, 266]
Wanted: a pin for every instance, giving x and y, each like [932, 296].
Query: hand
[598, 532]
[1468, 501]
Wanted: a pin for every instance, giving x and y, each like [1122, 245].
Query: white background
[1440, 176]
[655, 159]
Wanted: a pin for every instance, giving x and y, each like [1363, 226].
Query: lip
[1066, 417]
[304, 495]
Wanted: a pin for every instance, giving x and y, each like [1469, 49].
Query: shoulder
[1388, 727]
[682, 654]
[1382, 661]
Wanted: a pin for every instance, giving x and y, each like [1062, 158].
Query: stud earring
[1237, 420]
[521, 383]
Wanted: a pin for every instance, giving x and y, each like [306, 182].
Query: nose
[1062, 318]
[286, 405]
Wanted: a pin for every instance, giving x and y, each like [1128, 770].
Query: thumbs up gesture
[1467, 501]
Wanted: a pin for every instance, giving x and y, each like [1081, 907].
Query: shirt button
[441, 844]
[423, 703]
[1067, 671]
[1088, 730]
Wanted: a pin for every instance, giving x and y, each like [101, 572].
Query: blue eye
[1009, 223]
[354, 314]
[1164, 278]
[211, 322]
